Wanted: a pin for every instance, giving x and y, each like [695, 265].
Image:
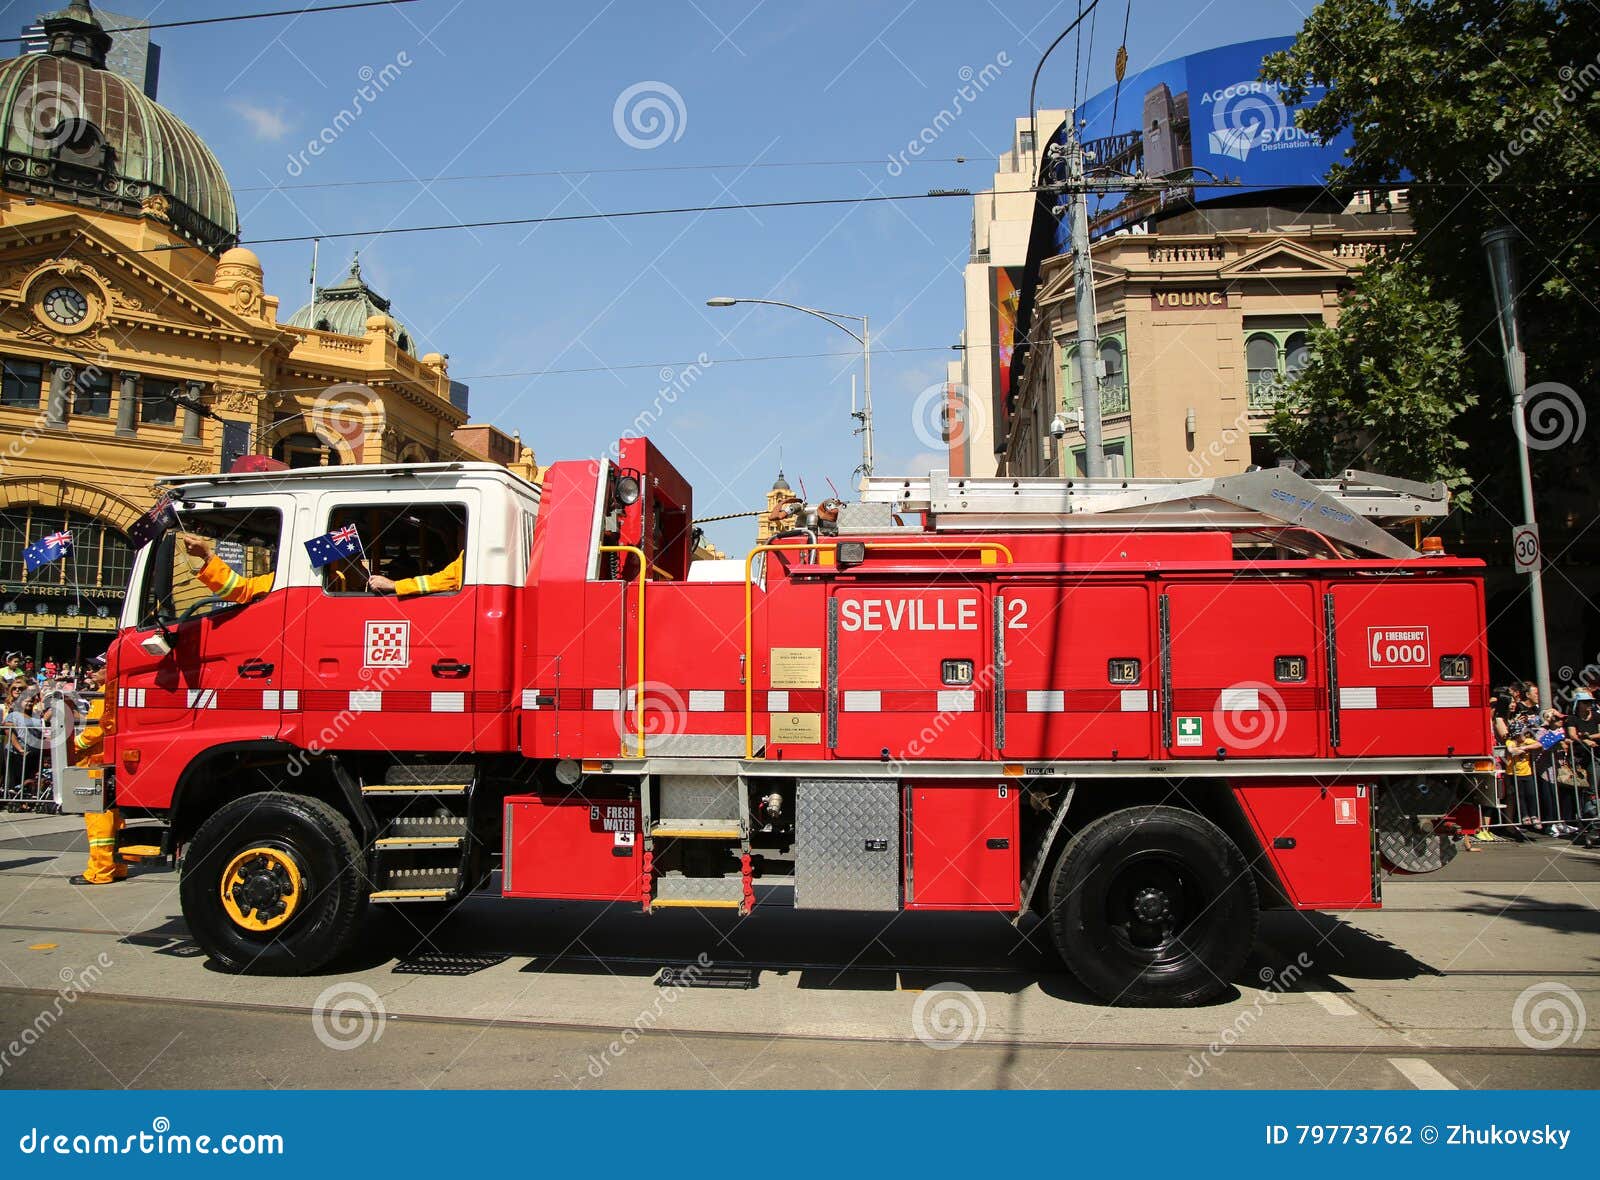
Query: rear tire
[1153, 907]
[294, 879]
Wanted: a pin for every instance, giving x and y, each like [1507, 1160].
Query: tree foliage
[1384, 387]
[1491, 110]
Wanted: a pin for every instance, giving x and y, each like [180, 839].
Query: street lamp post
[863, 338]
[1497, 244]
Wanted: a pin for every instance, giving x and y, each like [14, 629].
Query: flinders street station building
[139, 340]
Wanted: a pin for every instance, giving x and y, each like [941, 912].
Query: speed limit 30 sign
[1525, 548]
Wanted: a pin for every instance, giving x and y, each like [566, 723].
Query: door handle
[450, 668]
[255, 669]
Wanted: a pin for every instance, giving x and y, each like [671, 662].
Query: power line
[709, 363]
[220, 20]
[442, 179]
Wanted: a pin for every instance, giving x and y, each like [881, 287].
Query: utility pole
[1083, 289]
[1497, 243]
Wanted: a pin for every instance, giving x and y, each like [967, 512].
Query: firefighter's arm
[448, 578]
[220, 578]
[93, 734]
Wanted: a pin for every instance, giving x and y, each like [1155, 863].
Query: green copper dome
[345, 308]
[72, 131]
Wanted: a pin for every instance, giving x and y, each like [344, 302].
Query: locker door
[1244, 669]
[910, 673]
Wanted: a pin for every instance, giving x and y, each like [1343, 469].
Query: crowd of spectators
[28, 694]
[1549, 763]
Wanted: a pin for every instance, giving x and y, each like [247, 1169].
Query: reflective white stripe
[1046, 700]
[122, 697]
[705, 700]
[269, 698]
[857, 701]
[1358, 698]
[136, 698]
[957, 700]
[366, 702]
[608, 698]
[1450, 696]
[1135, 700]
[202, 698]
[1237, 700]
[291, 698]
[778, 701]
[449, 702]
[530, 698]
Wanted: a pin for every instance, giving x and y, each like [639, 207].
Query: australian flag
[47, 549]
[160, 519]
[345, 542]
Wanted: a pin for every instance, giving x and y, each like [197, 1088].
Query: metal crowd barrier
[1562, 790]
[27, 781]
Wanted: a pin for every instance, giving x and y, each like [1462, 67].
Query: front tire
[273, 884]
[1153, 907]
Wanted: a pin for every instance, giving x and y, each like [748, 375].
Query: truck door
[910, 672]
[381, 671]
[1411, 670]
[1079, 679]
[1243, 670]
[221, 680]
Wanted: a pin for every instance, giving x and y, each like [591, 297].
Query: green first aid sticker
[1189, 731]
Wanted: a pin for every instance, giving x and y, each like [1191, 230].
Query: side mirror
[155, 644]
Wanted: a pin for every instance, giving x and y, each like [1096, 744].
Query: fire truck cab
[1139, 709]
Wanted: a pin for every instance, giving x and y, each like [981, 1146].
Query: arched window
[305, 450]
[101, 554]
[1261, 363]
[1114, 385]
[1296, 351]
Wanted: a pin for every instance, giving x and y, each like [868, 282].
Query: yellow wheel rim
[261, 889]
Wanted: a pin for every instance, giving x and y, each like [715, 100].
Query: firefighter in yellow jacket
[220, 578]
[103, 826]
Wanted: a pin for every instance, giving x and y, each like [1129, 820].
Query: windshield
[244, 539]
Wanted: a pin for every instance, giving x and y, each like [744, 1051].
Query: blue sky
[493, 86]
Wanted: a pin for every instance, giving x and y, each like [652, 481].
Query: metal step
[675, 889]
[694, 829]
[414, 843]
[398, 895]
[415, 788]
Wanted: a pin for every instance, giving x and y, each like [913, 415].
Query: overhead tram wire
[568, 172]
[309, 10]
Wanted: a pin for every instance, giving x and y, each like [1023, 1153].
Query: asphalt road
[1426, 993]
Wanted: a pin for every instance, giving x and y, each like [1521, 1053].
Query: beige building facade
[1200, 325]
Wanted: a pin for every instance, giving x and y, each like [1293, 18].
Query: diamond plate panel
[847, 844]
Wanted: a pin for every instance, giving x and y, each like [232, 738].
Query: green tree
[1490, 111]
[1383, 388]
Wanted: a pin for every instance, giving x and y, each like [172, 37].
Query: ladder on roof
[1351, 510]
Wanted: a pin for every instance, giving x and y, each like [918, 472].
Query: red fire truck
[1142, 709]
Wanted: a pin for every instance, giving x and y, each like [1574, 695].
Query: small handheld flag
[345, 542]
[47, 549]
[160, 519]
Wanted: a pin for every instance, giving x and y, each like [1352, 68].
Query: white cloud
[265, 122]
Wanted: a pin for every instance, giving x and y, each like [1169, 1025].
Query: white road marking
[1331, 1003]
[1420, 1074]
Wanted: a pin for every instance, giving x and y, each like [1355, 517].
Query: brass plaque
[796, 729]
[797, 667]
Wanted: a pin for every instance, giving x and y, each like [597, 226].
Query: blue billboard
[1199, 118]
